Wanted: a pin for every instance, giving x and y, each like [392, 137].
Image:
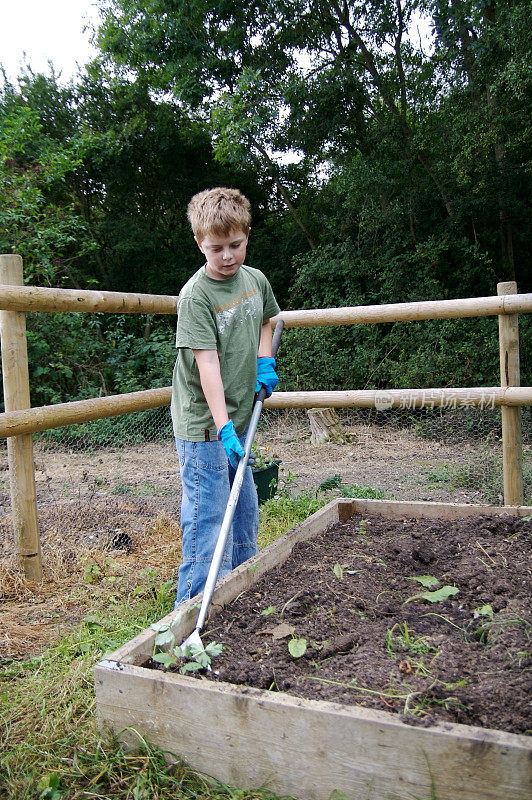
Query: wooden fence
[20, 421]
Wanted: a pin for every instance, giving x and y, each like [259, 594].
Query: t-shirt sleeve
[269, 304]
[196, 327]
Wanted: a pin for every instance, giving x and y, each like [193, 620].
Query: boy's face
[225, 254]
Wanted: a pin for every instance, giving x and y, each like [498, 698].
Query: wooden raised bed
[251, 738]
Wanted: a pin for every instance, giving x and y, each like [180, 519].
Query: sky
[37, 31]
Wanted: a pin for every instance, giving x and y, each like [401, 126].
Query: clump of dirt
[361, 596]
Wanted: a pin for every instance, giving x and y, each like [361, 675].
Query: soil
[465, 659]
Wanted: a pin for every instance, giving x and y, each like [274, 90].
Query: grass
[481, 472]
[50, 745]
[282, 512]
[49, 741]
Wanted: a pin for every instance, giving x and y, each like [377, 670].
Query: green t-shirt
[226, 316]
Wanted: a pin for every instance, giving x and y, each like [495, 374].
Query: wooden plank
[16, 383]
[480, 397]
[36, 298]
[33, 420]
[251, 738]
[404, 312]
[399, 509]
[39, 298]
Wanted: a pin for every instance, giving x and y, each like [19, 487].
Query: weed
[491, 626]
[354, 490]
[481, 472]
[362, 492]
[122, 488]
[439, 473]
[297, 646]
[401, 636]
[282, 512]
[332, 482]
[435, 597]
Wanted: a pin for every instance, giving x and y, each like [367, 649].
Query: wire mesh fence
[405, 454]
[102, 484]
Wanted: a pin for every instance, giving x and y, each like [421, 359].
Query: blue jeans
[206, 479]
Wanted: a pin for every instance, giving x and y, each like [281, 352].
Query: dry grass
[81, 567]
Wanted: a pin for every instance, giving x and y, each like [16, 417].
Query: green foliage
[38, 219]
[437, 596]
[380, 170]
[354, 490]
[332, 482]
[399, 636]
[74, 356]
[297, 646]
[278, 515]
[191, 658]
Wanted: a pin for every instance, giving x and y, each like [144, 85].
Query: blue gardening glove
[228, 437]
[266, 375]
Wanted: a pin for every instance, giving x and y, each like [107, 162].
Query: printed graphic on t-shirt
[247, 306]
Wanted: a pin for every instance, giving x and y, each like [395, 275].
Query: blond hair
[219, 211]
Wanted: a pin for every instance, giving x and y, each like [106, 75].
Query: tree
[38, 218]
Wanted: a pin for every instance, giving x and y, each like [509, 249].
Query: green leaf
[159, 627]
[164, 638]
[191, 666]
[214, 649]
[297, 647]
[47, 782]
[435, 597]
[425, 580]
[166, 659]
[338, 571]
[483, 611]
[267, 611]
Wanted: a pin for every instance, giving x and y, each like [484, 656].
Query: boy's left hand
[266, 375]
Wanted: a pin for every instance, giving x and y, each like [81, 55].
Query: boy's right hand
[228, 437]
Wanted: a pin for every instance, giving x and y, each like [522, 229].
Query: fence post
[512, 444]
[15, 378]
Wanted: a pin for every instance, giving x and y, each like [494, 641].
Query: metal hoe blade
[194, 639]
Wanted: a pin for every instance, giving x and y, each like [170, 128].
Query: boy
[224, 355]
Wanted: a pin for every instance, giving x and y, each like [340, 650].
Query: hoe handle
[214, 568]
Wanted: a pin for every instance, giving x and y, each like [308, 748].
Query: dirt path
[393, 460]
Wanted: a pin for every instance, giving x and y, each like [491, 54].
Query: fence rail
[42, 418]
[33, 298]
[19, 421]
